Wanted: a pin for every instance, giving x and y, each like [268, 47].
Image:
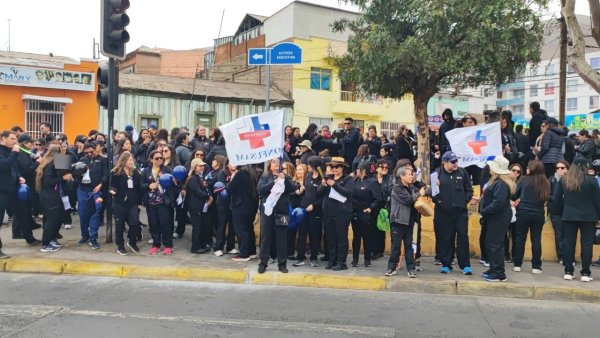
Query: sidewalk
[183, 265]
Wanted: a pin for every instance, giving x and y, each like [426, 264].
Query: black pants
[336, 228]
[243, 224]
[438, 241]
[525, 222]
[181, 215]
[53, 215]
[4, 200]
[419, 230]
[482, 237]
[558, 226]
[314, 230]
[509, 241]
[494, 242]
[200, 229]
[131, 216]
[361, 230]
[378, 240]
[401, 233]
[292, 235]
[269, 233]
[588, 229]
[23, 221]
[453, 227]
[161, 228]
[224, 226]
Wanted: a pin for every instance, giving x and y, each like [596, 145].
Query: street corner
[93, 269]
[216, 275]
[500, 289]
[416, 285]
[34, 265]
[319, 281]
[567, 294]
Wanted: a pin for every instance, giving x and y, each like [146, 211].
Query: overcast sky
[67, 27]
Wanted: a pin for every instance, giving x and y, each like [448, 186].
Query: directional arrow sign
[258, 56]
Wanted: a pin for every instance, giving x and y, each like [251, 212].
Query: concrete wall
[183, 63]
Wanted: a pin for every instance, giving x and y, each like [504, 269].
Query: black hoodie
[445, 127]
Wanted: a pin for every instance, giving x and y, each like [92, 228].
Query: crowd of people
[326, 181]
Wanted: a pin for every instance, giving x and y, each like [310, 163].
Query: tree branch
[576, 55]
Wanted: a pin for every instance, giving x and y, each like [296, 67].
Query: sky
[68, 27]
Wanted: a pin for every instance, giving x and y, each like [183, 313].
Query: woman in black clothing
[141, 148]
[516, 171]
[578, 196]
[366, 199]
[170, 158]
[49, 186]
[298, 175]
[242, 190]
[386, 182]
[310, 133]
[336, 192]
[223, 208]
[495, 210]
[562, 168]
[198, 198]
[274, 216]
[532, 193]
[127, 197]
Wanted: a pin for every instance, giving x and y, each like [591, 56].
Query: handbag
[383, 220]
[283, 220]
[423, 207]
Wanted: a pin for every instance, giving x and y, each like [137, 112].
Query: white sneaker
[568, 277]
[175, 235]
[150, 241]
[67, 226]
[516, 268]
[537, 271]
[218, 253]
[233, 251]
[586, 278]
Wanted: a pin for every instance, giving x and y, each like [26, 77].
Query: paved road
[70, 306]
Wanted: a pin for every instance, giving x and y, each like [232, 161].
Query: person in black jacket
[562, 167]
[89, 193]
[274, 216]
[125, 187]
[223, 208]
[217, 149]
[23, 222]
[586, 147]
[385, 180]
[351, 140]
[373, 141]
[404, 145]
[141, 148]
[532, 193]
[242, 190]
[366, 199]
[49, 186]
[199, 199]
[451, 218]
[336, 193]
[495, 209]
[448, 124]
[578, 197]
[538, 116]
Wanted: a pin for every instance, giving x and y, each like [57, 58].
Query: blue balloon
[297, 216]
[23, 192]
[219, 187]
[224, 193]
[165, 180]
[179, 173]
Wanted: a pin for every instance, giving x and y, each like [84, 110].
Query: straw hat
[337, 160]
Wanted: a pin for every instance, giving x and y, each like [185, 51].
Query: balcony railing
[360, 97]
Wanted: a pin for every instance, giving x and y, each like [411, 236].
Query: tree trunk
[577, 52]
[423, 163]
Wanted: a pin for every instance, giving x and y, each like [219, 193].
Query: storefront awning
[47, 98]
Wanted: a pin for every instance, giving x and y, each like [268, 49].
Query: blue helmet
[179, 173]
[165, 180]
[23, 192]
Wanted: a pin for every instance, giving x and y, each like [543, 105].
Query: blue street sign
[258, 56]
[285, 53]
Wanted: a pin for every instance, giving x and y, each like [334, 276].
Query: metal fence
[37, 112]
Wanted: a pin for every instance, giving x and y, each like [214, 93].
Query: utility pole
[563, 66]
[9, 35]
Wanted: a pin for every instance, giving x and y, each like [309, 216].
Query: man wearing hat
[305, 151]
[451, 217]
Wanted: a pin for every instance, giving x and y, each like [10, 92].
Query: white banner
[477, 144]
[47, 78]
[254, 138]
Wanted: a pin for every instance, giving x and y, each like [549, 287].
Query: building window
[550, 69]
[594, 102]
[518, 109]
[389, 129]
[321, 121]
[549, 106]
[533, 90]
[570, 69]
[572, 85]
[320, 78]
[595, 63]
[549, 88]
[572, 104]
[147, 121]
[519, 93]
[37, 111]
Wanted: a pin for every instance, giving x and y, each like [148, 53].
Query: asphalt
[185, 266]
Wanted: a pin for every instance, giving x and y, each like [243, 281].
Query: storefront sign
[46, 78]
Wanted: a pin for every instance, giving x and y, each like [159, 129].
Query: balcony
[510, 102]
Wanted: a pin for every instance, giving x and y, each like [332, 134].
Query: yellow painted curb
[320, 281]
[132, 271]
[34, 265]
[93, 269]
[217, 275]
[501, 289]
[567, 294]
[2, 264]
[442, 286]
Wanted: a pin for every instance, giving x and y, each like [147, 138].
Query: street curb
[348, 282]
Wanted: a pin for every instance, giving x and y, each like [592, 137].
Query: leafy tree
[419, 46]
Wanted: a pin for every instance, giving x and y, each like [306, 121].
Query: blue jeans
[89, 212]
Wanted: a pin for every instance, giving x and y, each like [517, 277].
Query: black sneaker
[354, 263]
[391, 272]
[59, 236]
[298, 263]
[34, 242]
[314, 264]
[262, 268]
[283, 269]
[340, 267]
[122, 251]
[83, 241]
[133, 247]
[437, 262]
[495, 278]
[412, 274]
[94, 244]
[596, 263]
[324, 259]
[367, 263]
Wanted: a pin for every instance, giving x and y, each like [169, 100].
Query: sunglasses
[199, 155]
[336, 166]
[89, 152]
[516, 170]
[561, 168]
[165, 150]
[157, 158]
[453, 161]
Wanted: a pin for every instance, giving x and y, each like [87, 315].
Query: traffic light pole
[268, 96]
[112, 96]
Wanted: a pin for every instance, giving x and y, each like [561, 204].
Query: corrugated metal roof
[36, 60]
[181, 85]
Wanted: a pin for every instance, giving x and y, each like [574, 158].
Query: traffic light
[112, 25]
[102, 94]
